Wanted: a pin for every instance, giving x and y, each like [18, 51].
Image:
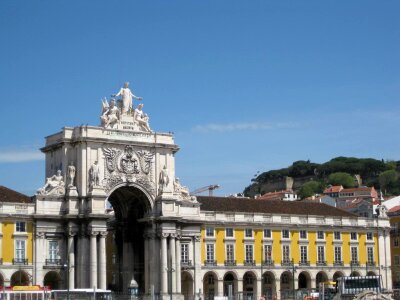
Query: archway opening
[187, 285]
[1, 280]
[371, 273]
[210, 285]
[19, 278]
[304, 280]
[229, 284]
[249, 285]
[286, 280]
[337, 275]
[52, 280]
[130, 205]
[268, 285]
[321, 277]
[355, 274]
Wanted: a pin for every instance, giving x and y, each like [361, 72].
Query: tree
[341, 178]
[388, 179]
[310, 188]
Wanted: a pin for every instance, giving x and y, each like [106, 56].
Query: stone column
[146, 264]
[163, 265]
[172, 268]
[277, 288]
[71, 260]
[93, 259]
[102, 261]
[197, 265]
[239, 286]
[178, 265]
[40, 253]
[259, 287]
[220, 288]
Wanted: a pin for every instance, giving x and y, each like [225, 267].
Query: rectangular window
[338, 254]
[303, 234]
[337, 235]
[249, 253]
[248, 232]
[209, 231]
[321, 254]
[369, 236]
[210, 252]
[370, 255]
[396, 260]
[20, 226]
[184, 253]
[230, 252]
[20, 249]
[353, 236]
[53, 250]
[286, 253]
[229, 232]
[396, 242]
[320, 235]
[285, 234]
[268, 253]
[354, 254]
[267, 233]
[303, 254]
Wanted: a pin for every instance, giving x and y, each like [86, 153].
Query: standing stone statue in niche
[71, 175]
[54, 185]
[127, 96]
[141, 118]
[163, 180]
[94, 175]
[110, 114]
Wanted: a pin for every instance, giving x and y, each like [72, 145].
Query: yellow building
[394, 215]
[16, 238]
[255, 246]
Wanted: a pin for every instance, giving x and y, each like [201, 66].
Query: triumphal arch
[111, 209]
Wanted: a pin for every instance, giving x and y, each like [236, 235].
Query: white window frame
[249, 252]
[396, 242]
[53, 253]
[246, 231]
[370, 251]
[285, 257]
[267, 233]
[301, 232]
[337, 233]
[210, 232]
[323, 235]
[370, 236]
[335, 254]
[185, 252]
[230, 254]
[321, 254]
[352, 235]
[268, 253]
[17, 249]
[303, 255]
[288, 234]
[24, 226]
[354, 254]
[210, 255]
[226, 232]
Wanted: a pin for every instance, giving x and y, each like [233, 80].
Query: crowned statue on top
[116, 110]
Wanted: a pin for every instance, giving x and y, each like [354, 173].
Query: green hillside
[315, 177]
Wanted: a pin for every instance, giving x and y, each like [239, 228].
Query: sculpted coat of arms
[129, 165]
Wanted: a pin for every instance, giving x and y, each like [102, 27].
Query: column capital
[93, 233]
[163, 235]
[197, 238]
[71, 232]
[40, 235]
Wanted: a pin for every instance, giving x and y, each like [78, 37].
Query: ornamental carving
[130, 166]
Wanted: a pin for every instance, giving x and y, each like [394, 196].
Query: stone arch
[268, 288]
[19, 278]
[249, 285]
[355, 274]
[210, 285]
[371, 273]
[304, 280]
[320, 277]
[337, 275]
[149, 196]
[230, 283]
[286, 280]
[52, 280]
[187, 285]
[130, 204]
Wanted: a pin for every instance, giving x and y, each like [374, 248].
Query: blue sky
[246, 86]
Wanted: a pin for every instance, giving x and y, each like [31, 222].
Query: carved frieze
[130, 166]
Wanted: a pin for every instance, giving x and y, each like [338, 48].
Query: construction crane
[210, 189]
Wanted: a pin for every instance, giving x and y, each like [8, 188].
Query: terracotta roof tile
[246, 205]
[9, 195]
[333, 189]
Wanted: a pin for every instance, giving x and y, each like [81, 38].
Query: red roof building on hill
[285, 195]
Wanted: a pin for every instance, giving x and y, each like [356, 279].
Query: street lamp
[294, 269]
[67, 267]
[169, 272]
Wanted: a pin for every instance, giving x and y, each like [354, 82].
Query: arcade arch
[268, 285]
[130, 205]
[230, 284]
[304, 280]
[249, 285]
[52, 279]
[337, 275]
[19, 278]
[187, 285]
[210, 285]
[321, 277]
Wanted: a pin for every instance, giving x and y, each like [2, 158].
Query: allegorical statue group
[114, 109]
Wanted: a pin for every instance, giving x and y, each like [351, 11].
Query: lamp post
[66, 267]
[294, 269]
